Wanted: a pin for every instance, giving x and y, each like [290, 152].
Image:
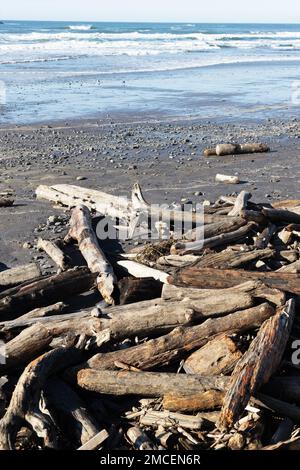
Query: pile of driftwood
[186, 345]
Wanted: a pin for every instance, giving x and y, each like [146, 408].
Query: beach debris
[235, 149]
[7, 199]
[227, 179]
[54, 252]
[178, 344]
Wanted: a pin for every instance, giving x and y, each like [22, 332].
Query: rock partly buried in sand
[227, 179]
[6, 201]
[232, 149]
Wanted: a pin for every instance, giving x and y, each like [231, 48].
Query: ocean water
[63, 70]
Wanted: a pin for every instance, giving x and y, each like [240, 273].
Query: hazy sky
[154, 10]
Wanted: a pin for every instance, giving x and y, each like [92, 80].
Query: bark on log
[253, 215]
[165, 349]
[209, 278]
[13, 276]
[46, 291]
[146, 384]
[24, 404]
[258, 364]
[54, 252]
[208, 400]
[81, 230]
[217, 357]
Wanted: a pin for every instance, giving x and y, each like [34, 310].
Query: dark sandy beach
[165, 157]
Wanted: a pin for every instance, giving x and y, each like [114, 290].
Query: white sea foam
[81, 27]
[83, 40]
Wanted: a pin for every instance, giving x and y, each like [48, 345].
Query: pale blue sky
[279, 11]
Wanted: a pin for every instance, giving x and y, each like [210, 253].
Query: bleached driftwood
[258, 364]
[81, 230]
[54, 252]
[13, 276]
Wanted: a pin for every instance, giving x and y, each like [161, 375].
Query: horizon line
[154, 22]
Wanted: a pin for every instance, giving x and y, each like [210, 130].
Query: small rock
[27, 245]
[81, 178]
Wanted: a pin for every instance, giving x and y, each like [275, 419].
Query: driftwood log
[81, 230]
[218, 356]
[12, 277]
[209, 400]
[199, 245]
[258, 364]
[54, 252]
[165, 349]
[232, 149]
[210, 278]
[24, 404]
[45, 291]
[147, 384]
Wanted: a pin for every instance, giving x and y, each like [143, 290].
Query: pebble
[27, 245]
[81, 178]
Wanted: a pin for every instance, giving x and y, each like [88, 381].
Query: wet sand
[165, 157]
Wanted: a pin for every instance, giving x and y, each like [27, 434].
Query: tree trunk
[217, 357]
[146, 384]
[222, 298]
[165, 349]
[281, 216]
[24, 404]
[140, 319]
[258, 364]
[230, 259]
[231, 149]
[70, 407]
[12, 277]
[46, 291]
[81, 230]
[223, 239]
[209, 278]
[54, 252]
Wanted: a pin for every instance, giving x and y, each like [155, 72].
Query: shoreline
[166, 158]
